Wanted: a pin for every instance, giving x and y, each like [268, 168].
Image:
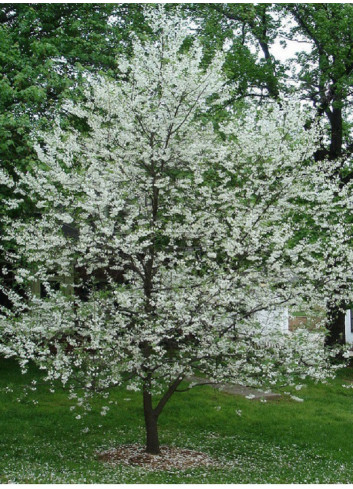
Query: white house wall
[349, 327]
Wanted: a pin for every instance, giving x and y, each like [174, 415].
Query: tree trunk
[336, 122]
[336, 324]
[336, 335]
[151, 418]
[151, 415]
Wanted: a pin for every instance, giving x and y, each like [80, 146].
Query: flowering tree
[169, 237]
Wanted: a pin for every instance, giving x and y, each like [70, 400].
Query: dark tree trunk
[151, 415]
[151, 418]
[336, 122]
[336, 318]
[336, 334]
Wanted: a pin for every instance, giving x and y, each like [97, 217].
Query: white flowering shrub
[169, 236]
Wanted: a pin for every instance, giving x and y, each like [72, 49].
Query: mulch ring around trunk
[170, 458]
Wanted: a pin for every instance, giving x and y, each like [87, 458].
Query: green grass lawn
[280, 441]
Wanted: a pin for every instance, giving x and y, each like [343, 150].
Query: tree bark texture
[151, 414]
[151, 419]
[336, 323]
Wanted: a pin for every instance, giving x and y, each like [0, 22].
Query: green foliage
[248, 33]
[326, 71]
[46, 51]
[244, 31]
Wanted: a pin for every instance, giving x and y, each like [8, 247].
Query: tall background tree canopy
[322, 74]
[45, 52]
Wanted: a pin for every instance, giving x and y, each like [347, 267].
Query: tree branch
[163, 401]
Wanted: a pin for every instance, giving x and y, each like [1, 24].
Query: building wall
[349, 326]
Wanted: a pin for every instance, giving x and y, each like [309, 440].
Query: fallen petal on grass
[170, 458]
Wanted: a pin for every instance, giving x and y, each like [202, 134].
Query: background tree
[323, 76]
[44, 51]
[326, 79]
[182, 234]
[45, 54]
[247, 33]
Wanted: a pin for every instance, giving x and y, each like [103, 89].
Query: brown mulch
[169, 458]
